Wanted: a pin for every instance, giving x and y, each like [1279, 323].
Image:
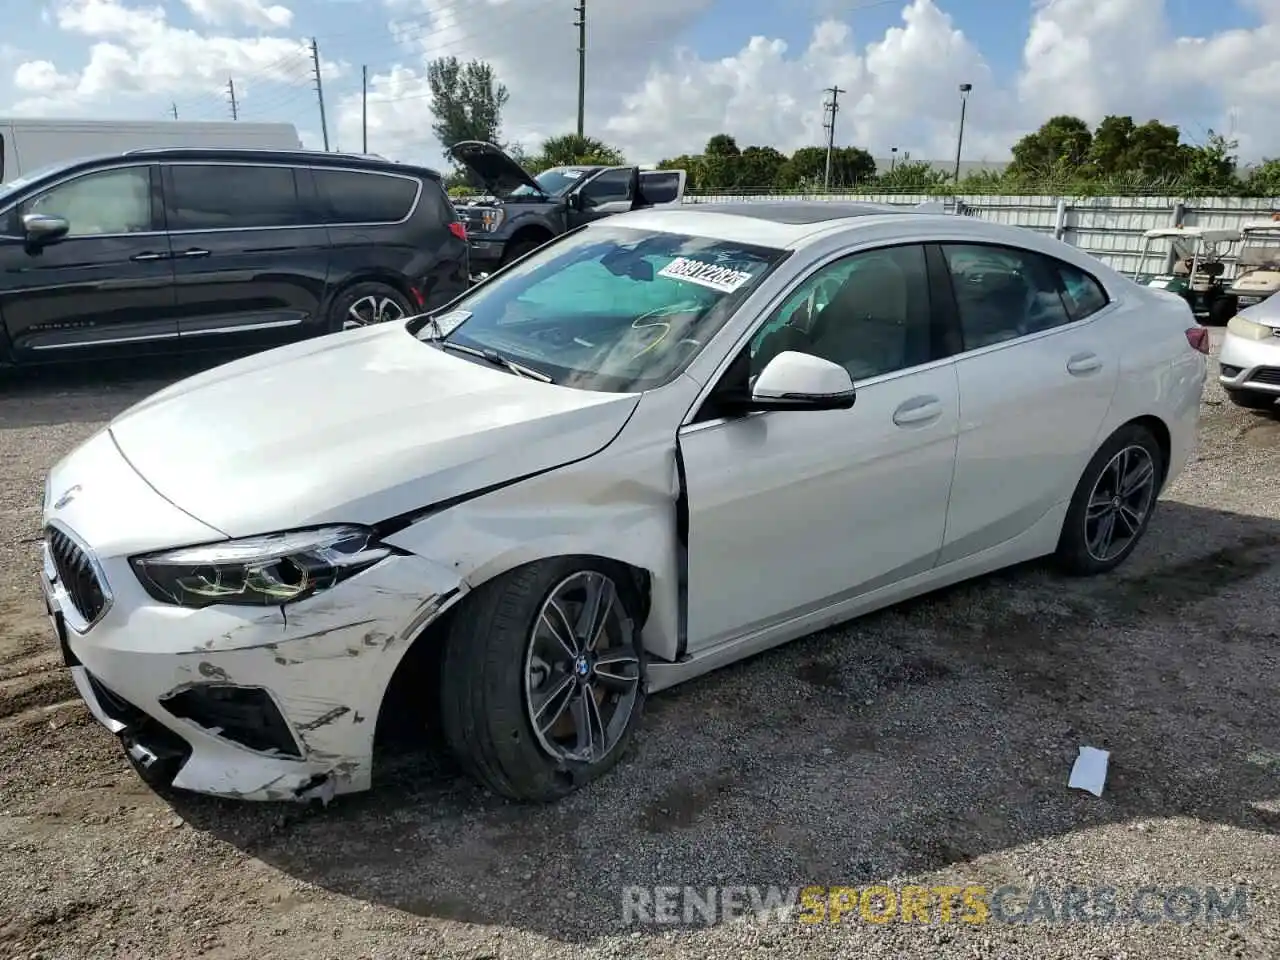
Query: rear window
[357, 197]
[231, 196]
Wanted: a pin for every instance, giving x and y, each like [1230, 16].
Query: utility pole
[175, 110]
[581, 24]
[231, 93]
[964, 101]
[315, 60]
[832, 106]
[364, 109]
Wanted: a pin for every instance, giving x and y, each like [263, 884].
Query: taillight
[458, 229]
[1198, 337]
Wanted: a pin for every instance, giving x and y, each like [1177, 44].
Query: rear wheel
[1112, 503]
[365, 304]
[543, 677]
[1251, 400]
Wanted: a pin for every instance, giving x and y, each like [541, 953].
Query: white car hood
[353, 427]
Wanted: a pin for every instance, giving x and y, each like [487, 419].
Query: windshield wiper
[497, 359]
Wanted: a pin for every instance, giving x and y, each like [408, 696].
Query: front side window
[609, 308]
[104, 203]
[610, 187]
[231, 196]
[1002, 293]
[869, 312]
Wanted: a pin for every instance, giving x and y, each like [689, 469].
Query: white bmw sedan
[655, 446]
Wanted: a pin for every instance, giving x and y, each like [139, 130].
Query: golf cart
[1258, 265]
[1197, 269]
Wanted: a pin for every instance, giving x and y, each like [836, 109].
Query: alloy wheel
[582, 669]
[370, 310]
[1119, 503]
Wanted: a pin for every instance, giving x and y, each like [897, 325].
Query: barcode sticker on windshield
[724, 279]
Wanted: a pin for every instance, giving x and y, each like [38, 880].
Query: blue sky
[534, 52]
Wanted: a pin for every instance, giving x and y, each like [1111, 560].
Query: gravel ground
[929, 744]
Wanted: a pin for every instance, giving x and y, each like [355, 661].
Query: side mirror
[577, 201]
[800, 381]
[41, 228]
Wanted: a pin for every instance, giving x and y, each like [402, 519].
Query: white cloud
[135, 50]
[248, 12]
[654, 98]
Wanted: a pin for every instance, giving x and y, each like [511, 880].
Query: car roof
[313, 158]
[798, 212]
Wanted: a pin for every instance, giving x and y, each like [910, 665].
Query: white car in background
[1249, 361]
[655, 446]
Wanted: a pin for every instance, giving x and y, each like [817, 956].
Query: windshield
[554, 182]
[608, 308]
[1260, 249]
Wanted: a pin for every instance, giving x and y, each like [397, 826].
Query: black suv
[178, 249]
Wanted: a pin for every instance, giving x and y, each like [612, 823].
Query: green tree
[1060, 140]
[569, 149]
[1212, 166]
[720, 164]
[466, 101]
[758, 168]
[912, 176]
[1155, 151]
[1264, 179]
[807, 167]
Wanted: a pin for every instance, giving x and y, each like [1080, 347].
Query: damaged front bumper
[249, 703]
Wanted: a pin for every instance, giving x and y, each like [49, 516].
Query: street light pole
[964, 100]
[893, 159]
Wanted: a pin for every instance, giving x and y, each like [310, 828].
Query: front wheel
[1112, 503]
[518, 249]
[543, 677]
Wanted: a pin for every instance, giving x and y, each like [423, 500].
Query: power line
[832, 106]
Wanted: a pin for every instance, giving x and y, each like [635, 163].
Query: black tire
[1222, 310]
[1250, 400]
[483, 688]
[1076, 555]
[519, 248]
[383, 297]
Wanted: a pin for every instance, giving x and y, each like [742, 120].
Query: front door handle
[195, 252]
[1083, 363]
[917, 410]
[147, 256]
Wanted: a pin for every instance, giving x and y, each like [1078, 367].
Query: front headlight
[264, 571]
[1249, 330]
[491, 219]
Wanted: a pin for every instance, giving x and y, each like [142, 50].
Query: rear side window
[356, 197]
[1003, 293]
[1083, 294]
[224, 196]
[659, 187]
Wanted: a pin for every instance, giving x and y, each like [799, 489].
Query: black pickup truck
[523, 212]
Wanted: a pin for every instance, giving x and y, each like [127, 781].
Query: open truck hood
[495, 170]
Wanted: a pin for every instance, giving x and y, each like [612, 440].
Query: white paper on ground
[1090, 770]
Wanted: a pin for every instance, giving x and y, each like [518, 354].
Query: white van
[30, 144]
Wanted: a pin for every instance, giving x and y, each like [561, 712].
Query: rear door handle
[194, 252]
[917, 410]
[1083, 363]
[147, 256]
